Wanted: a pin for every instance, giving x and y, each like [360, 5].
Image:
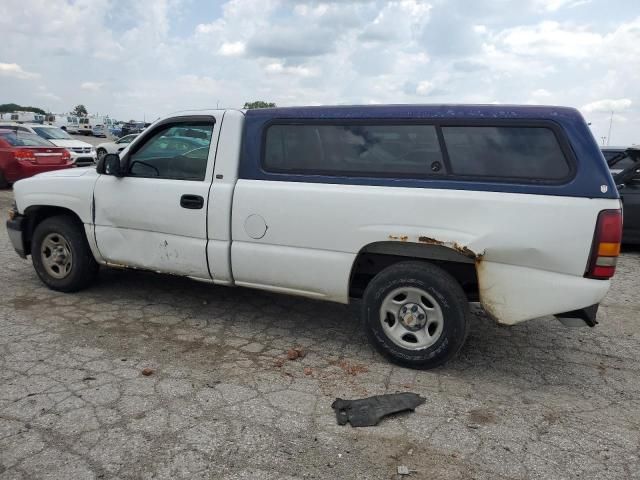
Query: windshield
[126, 139]
[19, 139]
[52, 133]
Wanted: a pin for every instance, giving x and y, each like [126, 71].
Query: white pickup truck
[414, 211]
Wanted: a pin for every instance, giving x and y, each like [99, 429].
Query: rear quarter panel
[528, 248]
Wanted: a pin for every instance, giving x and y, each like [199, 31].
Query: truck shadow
[189, 316]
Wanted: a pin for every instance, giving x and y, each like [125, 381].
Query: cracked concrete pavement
[537, 400]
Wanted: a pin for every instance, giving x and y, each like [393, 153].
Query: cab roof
[440, 111]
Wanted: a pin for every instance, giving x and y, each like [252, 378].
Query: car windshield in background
[617, 159]
[126, 138]
[193, 133]
[19, 139]
[52, 133]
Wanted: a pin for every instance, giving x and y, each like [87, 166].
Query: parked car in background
[66, 122]
[23, 154]
[99, 131]
[84, 126]
[114, 147]
[87, 124]
[22, 117]
[82, 153]
[132, 127]
[412, 211]
[625, 167]
[617, 156]
[116, 131]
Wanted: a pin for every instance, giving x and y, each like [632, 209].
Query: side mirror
[110, 165]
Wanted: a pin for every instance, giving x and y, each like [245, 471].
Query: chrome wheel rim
[411, 318]
[56, 255]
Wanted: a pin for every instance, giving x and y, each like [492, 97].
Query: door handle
[193, 202]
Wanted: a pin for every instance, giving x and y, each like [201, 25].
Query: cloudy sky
[148, 58]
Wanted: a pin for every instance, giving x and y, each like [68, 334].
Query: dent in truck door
[155, 217]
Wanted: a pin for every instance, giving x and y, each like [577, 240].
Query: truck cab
[413, 212]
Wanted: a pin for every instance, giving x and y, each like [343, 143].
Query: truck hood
[69, 172]
[70, 143]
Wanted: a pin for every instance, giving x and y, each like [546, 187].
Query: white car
[82, 153]
[115, 147]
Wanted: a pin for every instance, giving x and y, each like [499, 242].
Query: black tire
[84, 267]
[3, 180]
[439, 285]
[101, 152]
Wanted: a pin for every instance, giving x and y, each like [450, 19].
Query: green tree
[14, 107]
[80, 111]
[258, 104]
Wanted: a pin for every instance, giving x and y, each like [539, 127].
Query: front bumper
[15, 229]
[83, 159]
[580, 318]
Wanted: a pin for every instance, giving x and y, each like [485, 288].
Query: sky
[145, 59]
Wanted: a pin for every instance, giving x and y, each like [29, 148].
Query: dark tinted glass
[611, 154]
[354, 149]
[511, 152]
[623, 160]
[625, 163]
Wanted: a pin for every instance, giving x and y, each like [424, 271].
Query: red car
[25, 154]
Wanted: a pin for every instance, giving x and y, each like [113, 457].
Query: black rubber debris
[367, 412]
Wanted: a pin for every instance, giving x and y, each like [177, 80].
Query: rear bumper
[580, 318]
[513, 294]
[18, 171]
[15, 229]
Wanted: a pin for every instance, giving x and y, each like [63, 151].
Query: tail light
[24, 156]
[66, 156]
[606, 245]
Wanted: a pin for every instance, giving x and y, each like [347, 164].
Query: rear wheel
[3, 180]
[416, 314]
[61, 254]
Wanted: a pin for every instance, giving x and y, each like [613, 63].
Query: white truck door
[155, 216]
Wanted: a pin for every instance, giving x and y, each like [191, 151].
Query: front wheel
[416, 314]
[61, 254]
[101, 153]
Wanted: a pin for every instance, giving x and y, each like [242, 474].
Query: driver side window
[173, 155]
